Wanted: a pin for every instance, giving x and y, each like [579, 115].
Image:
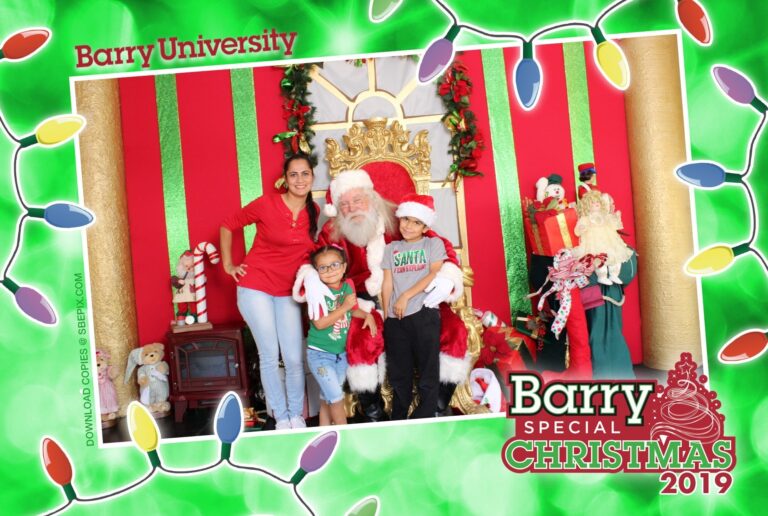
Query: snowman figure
[550, 193]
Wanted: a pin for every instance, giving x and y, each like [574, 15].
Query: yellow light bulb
[142, 427]
[59, 129]
[612, 63]
[715, 259]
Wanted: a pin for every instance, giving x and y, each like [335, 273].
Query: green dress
[610, 355]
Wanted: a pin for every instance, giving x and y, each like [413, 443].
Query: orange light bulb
[744, 347]
[694, 20]
[58, 466]
[56, 462]
[24, 43]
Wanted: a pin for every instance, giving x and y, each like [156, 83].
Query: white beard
[360, 231]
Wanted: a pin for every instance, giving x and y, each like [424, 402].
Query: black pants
[413, 341]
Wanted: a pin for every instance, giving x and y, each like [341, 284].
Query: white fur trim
[374, 256]
[366, 305]
[374, 282]
[417, 211]
[330, 210]
[382, 367]
[454, 369]
[300, 275]
[349, 180]
[363, 378]
[453, 272]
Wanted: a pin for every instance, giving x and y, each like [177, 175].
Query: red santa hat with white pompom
[421, 207]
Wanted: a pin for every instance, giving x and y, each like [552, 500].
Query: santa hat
[346, 180]
[420, 207]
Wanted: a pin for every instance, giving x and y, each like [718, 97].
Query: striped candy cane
[200, 279]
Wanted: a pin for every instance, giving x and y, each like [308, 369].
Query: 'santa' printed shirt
[409, 263]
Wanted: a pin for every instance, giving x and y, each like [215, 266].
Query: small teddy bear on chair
[152, 377]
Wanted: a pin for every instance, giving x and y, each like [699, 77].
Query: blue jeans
[276, 326]
[329, 370]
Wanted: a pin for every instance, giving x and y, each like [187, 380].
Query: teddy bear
[550, 194]
[108, 404]
[152, 376]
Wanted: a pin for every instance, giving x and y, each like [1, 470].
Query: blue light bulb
[705, 174]
[229, 419]
[527, 78]
[63, 215]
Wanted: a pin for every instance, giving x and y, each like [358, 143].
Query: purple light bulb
[734, 84]
[32, 303]
[438, 55]
[318, 452]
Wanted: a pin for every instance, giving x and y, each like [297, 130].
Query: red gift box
[548, 231]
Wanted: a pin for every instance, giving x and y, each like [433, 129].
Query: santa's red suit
[365, 354]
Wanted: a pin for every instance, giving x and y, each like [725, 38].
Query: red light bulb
[744, 347]
[56, 462]
[24, 43]
[694, 20]
[58, 467]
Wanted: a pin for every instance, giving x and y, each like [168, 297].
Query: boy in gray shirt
[411, 330]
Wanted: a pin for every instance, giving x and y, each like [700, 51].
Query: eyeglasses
[330, 267]
[357, 202]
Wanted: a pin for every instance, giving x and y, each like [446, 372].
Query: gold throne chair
[397, 166]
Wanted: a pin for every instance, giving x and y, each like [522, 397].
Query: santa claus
[362, 222]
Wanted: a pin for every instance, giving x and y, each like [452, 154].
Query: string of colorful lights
[228, 425]
[611, 61]
[527, 77]
[60, 214]
[710, 175]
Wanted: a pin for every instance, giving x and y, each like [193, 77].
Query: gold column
[109, 256]
[656, 134]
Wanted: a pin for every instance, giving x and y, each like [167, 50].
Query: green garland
[298, 112]
[467, 144]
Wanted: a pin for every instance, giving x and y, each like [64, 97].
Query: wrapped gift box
[548, 231]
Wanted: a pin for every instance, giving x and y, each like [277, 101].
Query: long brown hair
[310, 203]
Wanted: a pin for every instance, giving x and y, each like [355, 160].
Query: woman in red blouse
[286, 225]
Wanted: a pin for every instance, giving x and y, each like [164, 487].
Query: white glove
[316, 291]
[438, 291]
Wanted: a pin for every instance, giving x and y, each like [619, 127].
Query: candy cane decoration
[200, 279]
